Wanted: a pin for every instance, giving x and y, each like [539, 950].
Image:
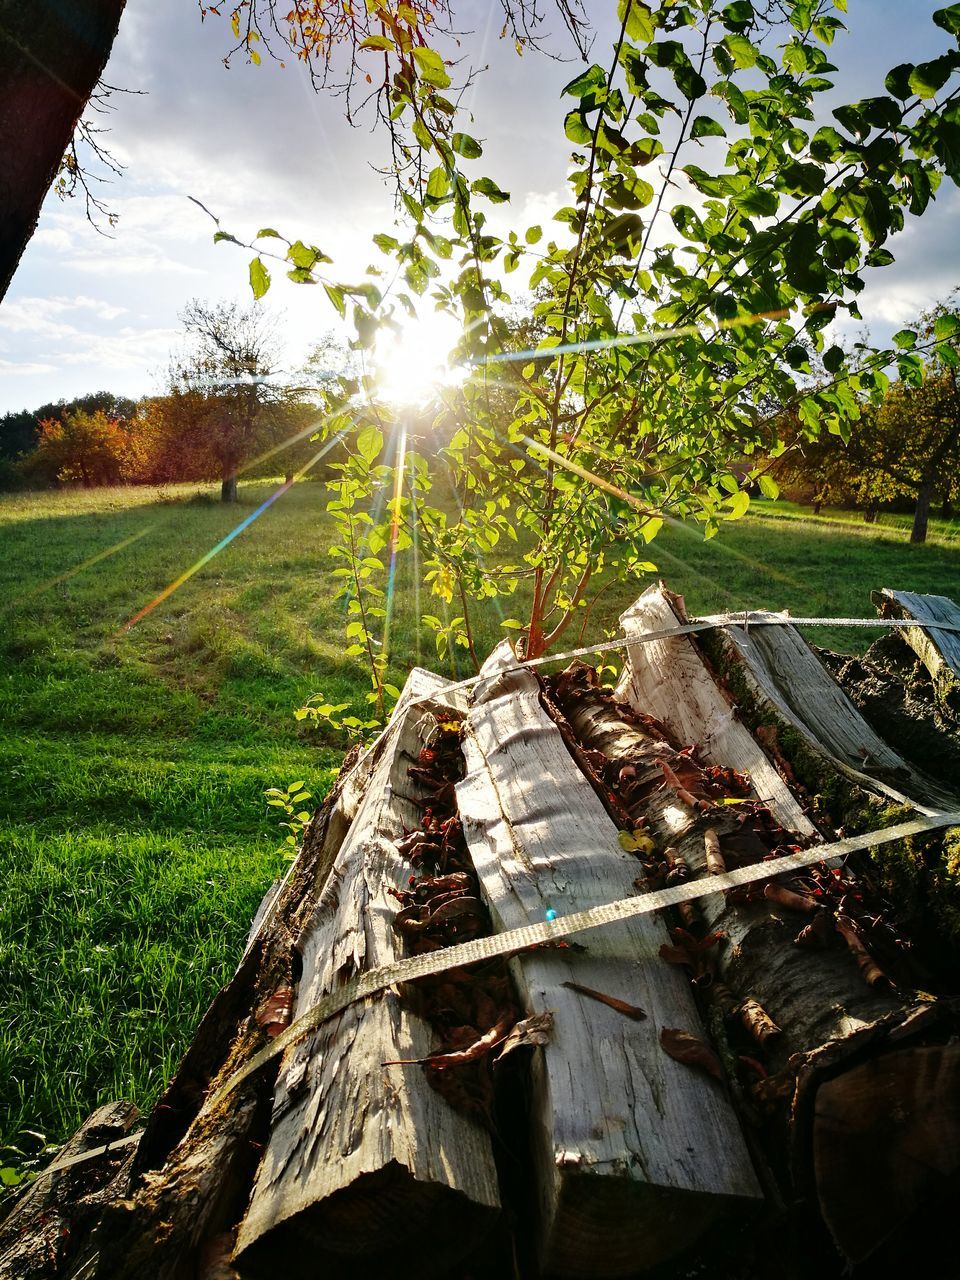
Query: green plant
[715, 226]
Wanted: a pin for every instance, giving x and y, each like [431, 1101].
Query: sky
[259, 147]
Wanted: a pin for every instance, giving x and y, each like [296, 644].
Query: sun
[411, 365]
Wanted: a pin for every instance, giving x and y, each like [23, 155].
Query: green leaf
[577, 129]
[897, 81]
[946, 326]
[259, 278]
[833, 359]
[741, 50]
[768, 487]
[369, 443]
[640, 24]
[438, 184]
[706, 127]
[303, 256]
[928, 78]
[376, 42]
[757, 202]
[512, 624]
[335, 294]
[487, 187]
[431, 68]
[592, 80]
[905, 340]
[738, 505]
[533, 234]
[466, 146]
[948, 19]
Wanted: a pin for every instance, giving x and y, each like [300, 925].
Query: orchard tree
[226, 384]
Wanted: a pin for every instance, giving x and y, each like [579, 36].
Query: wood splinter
[871, 972]
[757, 1021]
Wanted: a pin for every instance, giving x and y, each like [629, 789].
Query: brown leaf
[275, 1012]
[690, 1050]
[532, 1031]
[612, 1002]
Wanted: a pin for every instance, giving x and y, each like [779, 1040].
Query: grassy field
[134, 839]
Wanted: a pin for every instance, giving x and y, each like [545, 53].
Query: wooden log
[47, 1232]
[367, 1170]
[821, 995]
[195, 1163]
[667, 679]
[635, 1154]
[938, 650]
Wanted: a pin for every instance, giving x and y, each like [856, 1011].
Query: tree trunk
[615, 1118]
[228, 488]
[870, 515]
[921, 513]
[51, 56]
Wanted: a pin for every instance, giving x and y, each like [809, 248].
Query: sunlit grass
[134, 841]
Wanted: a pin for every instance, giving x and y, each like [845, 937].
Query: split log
[635, 1155]
[47, 1232]
[938, 650]
[195, 1164]
[367, 1170]
[832, 1021]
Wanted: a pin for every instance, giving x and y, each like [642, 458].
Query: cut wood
[667, 679]
[364, 1162]
[834, 1007]
[47, 1232]
[938, 650]
[634, 1153]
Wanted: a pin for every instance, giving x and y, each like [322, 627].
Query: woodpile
[764, 1081]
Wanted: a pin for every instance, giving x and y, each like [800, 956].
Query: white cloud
[24, 368]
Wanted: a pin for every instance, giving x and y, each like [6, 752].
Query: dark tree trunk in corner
[228, 488]
[922, 513]
[51, 56]
[870, 515]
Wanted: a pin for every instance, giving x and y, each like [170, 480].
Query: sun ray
[400, 462]
[79, 568]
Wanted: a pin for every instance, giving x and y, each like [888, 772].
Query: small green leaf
[369, 443]
[947, 326]
[377, 42]
[706, 127]
[431, 68]
[487, 187]
[259, 278]
[768, 487]
[466, 146]
[533, 234]
[266, 233]
[948, 19]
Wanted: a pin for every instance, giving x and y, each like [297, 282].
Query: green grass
[134, 839]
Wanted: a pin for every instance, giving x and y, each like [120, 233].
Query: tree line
[227, 408]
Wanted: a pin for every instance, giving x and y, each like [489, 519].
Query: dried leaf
[528, 1034]
[635, 842]
[690, 1050]
[612, 1002]
[275, 1013]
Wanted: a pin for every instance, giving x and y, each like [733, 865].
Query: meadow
[135, 842]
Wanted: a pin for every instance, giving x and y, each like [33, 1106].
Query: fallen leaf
[635, 842]
[613, 1002]
[528, 1034]
[688, 1049]
[275, 1013]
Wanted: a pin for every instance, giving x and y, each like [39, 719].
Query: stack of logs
[764, 1082]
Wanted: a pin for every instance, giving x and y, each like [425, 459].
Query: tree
[51, 57]
[224, 381]
[86, 448]
[681, 298]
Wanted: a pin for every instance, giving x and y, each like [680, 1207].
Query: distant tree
[224, 386]
[86, 448]
[20, 432]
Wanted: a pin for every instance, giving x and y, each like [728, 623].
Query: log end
[887, 1146]
[386, 1224]
[615, 1227]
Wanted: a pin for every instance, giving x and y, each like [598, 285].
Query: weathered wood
[938, 650]
[195, 1163]
[46, 1233]
[634, 1154]
[367, 1169]
[820, 997]
[782, 671]
[890, 1164]
[667, 679]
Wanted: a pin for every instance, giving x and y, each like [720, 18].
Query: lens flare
[79, 568]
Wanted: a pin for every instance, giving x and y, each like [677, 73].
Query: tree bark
[228, 488]
[921, 515]
[51, 56]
